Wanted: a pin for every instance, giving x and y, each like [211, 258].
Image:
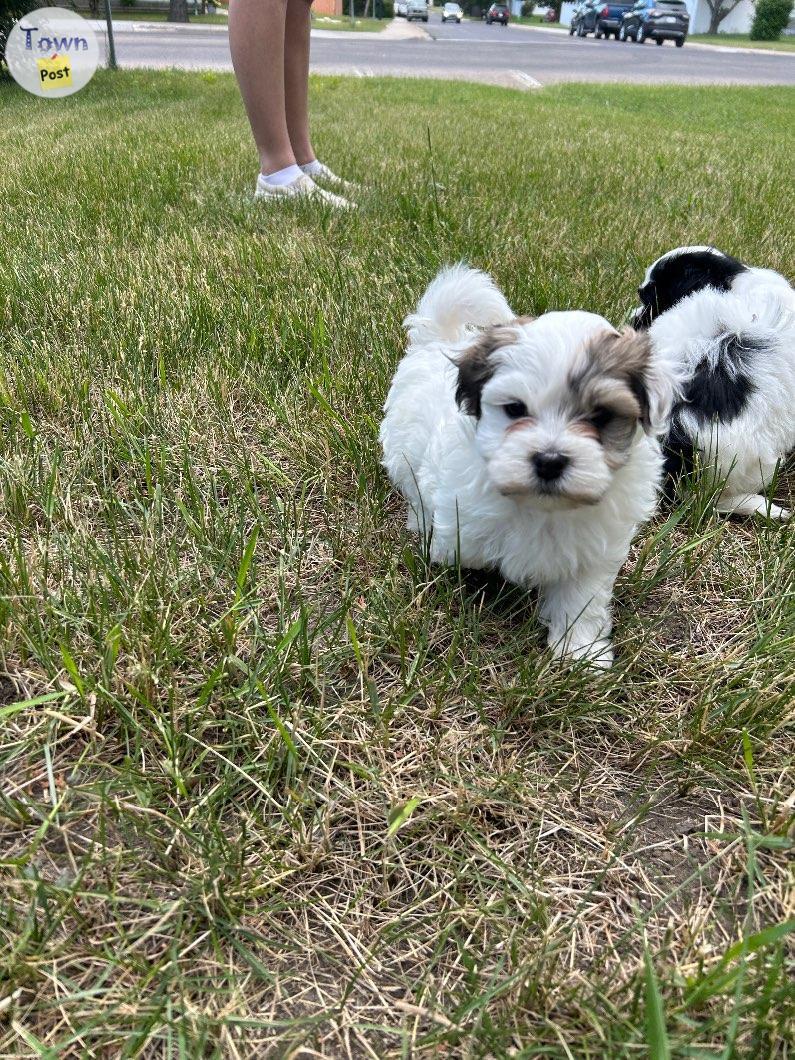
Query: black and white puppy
[733, 326]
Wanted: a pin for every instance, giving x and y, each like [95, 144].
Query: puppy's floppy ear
[682, 272]
[654, 384]
[476, 364]
[474, 371]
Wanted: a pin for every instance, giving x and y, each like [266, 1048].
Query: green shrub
[770, 19]
[528, 7]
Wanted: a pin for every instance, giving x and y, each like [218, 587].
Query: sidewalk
[126, 25]
[397, 29]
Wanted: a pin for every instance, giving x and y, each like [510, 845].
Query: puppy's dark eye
[601, 417]
[515, 410]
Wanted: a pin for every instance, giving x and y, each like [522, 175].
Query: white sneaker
[302, 185]
[321, 172]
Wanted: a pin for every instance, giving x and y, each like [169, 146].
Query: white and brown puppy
[528, 446]
[733, 328]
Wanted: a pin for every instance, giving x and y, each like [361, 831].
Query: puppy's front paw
[782, 515]
[597, 653]
[753, 504]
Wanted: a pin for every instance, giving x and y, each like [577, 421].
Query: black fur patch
[679, 455]
[674, 278]
[721, 393]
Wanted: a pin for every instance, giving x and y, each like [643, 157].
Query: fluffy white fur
[760, 310]
[469, 481]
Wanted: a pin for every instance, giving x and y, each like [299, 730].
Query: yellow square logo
[55, 72]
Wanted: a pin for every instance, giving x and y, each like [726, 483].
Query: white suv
[416, 9]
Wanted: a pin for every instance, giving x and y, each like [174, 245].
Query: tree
[718, 10]
[10, 12]
[178, 10]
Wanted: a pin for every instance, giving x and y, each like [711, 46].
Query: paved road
[521, 58]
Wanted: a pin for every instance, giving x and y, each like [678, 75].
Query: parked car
[400, 8]
[416, 9]
[583, 18]
[609, 18]
[452, 13]
[498, 13]
[657, 20]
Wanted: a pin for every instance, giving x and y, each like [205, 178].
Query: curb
[735, 51]
[538, 29]
[690, 44]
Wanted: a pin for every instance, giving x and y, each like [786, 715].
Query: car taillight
[605, 11]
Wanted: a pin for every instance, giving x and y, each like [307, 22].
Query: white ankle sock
[313, 167]
[283, 176]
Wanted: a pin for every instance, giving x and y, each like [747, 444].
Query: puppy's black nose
[550, 466]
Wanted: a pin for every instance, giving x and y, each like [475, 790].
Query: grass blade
[656, 1032]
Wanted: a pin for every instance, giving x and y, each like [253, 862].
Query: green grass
[742, 40]
[270, 784]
